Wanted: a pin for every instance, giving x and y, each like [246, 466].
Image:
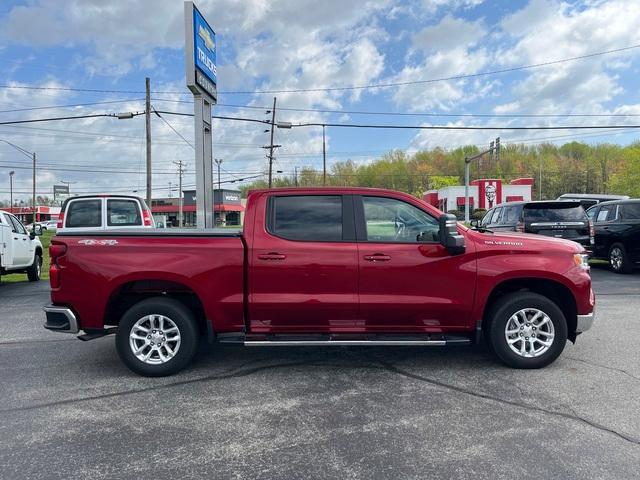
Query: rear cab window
[84, 214]
[311, 218]
[123, 213]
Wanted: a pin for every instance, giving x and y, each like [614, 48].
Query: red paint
[261, 283]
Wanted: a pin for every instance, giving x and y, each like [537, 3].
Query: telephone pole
[180, 173]
[148, 129]
[34, 190]
[11, 174]
[324, 160]
[271, 145]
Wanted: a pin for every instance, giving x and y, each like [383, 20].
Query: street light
[11, 174]
[31, 155]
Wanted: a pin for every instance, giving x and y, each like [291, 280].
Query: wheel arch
[132, 292]
[555, 291]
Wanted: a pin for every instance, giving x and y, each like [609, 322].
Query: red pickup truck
[319, 266]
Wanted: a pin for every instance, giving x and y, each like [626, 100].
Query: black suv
[617, 233]
[555, 218]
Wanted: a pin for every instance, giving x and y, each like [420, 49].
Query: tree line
[574, 167]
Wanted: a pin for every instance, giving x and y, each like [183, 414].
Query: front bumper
[585, 321]
[60, 319]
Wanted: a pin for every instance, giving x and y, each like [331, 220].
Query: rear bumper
[60, 319]
[585, 321]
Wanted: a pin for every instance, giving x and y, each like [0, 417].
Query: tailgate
[559, 229]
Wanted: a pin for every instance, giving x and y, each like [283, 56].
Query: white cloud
[449, 34]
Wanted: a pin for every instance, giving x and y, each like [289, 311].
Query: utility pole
[170, 183]
[11, 174]
[180, 173]
[540, 177]
[324, 160]
[271, 146]
[148, 129]
[34, 190]
[295, 175]
[218, 163]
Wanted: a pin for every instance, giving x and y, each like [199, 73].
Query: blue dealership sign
[204, 52]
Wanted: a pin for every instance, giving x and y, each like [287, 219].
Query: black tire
[618, 259]
[183, 319]
[501, 313]
[34, 271]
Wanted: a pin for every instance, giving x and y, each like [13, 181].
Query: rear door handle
[272, 256]
[377, 257]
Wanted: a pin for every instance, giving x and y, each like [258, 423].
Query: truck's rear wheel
[35, 270]
[526, 330]
[157, 337]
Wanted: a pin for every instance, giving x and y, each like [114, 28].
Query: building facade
[228, 209]
[483, 194]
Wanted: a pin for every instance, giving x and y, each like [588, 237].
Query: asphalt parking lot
[70, 409]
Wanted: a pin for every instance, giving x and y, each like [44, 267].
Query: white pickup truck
[20, 250]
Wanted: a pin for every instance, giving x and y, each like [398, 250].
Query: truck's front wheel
[526, 330]
[157, 337]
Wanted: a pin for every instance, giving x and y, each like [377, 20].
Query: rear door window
[607, 213]
[316, 218]
[511, 215]
[123, 213]
[84, 214]
[630, 211]
[592, 213]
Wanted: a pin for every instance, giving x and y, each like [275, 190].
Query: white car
[49, 225]
[104, 212]
[20, 250]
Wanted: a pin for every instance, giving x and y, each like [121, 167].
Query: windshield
[547, 214]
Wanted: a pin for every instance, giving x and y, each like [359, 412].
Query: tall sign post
[200, 62]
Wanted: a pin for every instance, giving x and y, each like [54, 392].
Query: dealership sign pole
[200, 59]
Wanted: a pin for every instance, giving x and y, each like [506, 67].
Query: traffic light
[497, 150]
[491, 147]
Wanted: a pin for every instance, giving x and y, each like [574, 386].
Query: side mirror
[474, 223]
[449, 236]
[37, 230]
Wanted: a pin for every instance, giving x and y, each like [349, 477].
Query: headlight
[581, 260]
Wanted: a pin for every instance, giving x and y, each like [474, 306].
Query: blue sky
[303, 44]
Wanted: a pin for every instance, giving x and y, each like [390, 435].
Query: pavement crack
[392, 368]
[606, 367]
[236, 372]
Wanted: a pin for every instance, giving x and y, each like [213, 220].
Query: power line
[345, 88]
[69, 105]
[419, 114]
[172, 128]
[54, 119]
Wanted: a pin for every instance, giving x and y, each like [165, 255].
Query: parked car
[320, 266]
[20, 250]
[49, 225]
[104, 212]
[560, 219]
[617, 233]
[589, 199]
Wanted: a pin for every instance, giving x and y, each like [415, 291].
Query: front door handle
[377, 257]
[272, 256]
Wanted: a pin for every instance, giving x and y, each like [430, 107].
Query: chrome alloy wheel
[529, 332]
[616, 258]
[154, 339]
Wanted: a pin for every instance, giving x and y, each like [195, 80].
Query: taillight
[60, 220]
[56, 252]
[146, 218]
[520, 227]
[592, 233]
